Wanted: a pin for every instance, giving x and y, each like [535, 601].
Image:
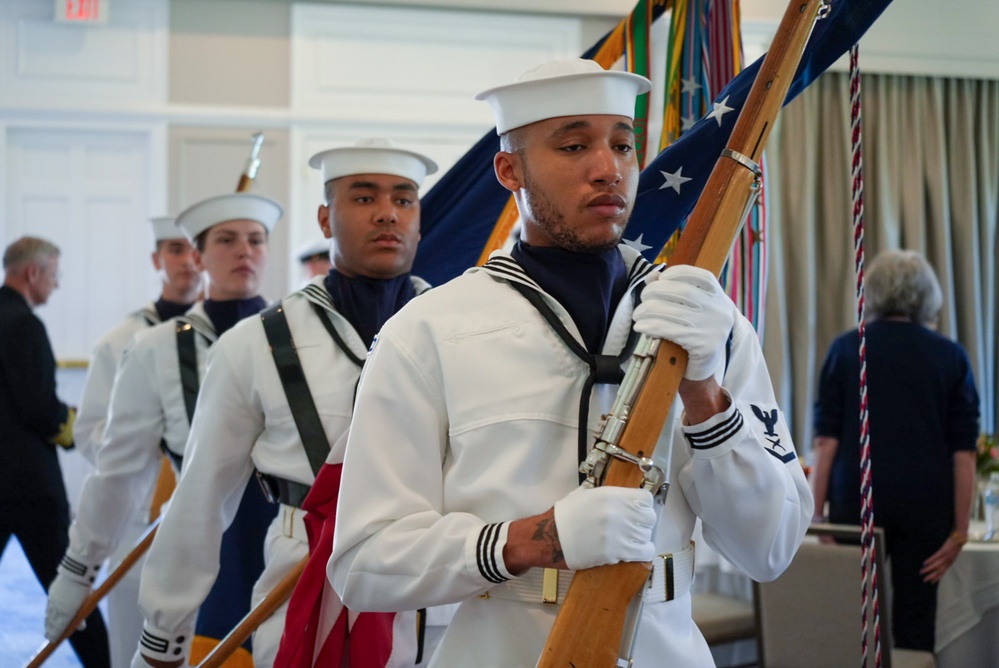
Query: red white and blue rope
[868, 565]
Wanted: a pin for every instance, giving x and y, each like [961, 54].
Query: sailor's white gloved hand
[688, 307]
[605, 525]
[66, 594]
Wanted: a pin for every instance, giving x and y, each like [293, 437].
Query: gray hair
[902, 283]
[28, 249]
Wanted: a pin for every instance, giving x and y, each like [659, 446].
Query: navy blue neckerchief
[588, 285]
[367, 303]
[166, 309]
[226, 313]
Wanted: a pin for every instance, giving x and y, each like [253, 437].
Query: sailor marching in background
[152, 405]
[279, 391]
[460, 478]
[314, 258]
[173, 259]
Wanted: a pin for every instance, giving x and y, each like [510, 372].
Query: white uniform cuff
[488, 547]
[163, 646]
[716, 430]
[78, 569]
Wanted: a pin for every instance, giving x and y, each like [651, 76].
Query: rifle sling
[187, 357]
[300, 401]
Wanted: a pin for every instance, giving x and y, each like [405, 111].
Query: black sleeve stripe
[716, 435]
[74, 566]
[485, 556]
[154, 643]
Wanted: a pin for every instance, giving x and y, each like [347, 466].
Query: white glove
[605, 525]
[66, 594]
[688, 307]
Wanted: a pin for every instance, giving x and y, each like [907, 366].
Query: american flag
[460, 210]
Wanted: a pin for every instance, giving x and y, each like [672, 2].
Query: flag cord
[868, 563]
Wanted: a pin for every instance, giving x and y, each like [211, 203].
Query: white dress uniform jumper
[247, 409]
[480, 398]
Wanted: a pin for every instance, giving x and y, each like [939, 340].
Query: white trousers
[124, 618]
[286, 544]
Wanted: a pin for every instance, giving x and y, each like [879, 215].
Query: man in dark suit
[33, 504]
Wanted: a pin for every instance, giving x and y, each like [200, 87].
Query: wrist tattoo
[547, 532]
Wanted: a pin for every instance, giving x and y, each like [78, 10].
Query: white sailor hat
[235, 206]
[312, 249]
[373, 155]
[572, 87]
[165, 228]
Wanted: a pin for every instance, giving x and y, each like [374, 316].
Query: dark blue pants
[41, 526]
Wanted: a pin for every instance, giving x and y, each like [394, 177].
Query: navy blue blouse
[923, 407]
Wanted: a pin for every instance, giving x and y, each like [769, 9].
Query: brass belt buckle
[549, 586]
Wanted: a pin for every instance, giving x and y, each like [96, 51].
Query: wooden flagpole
[90, 603]
[258, 615]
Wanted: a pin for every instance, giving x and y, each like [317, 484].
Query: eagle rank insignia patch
[774, 430]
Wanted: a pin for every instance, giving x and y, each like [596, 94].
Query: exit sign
[82, 11]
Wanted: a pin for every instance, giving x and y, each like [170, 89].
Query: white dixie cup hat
[234, 206]
[574, 87]
[165, 227]
[373, 155]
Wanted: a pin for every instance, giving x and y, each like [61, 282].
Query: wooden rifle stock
[589, 626]
[90, 603]
[252, 165]
[258, 615]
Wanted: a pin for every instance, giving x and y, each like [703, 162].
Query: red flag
[371, 633]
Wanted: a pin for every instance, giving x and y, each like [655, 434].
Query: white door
[87, 191]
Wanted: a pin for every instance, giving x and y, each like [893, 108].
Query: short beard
[552, 221]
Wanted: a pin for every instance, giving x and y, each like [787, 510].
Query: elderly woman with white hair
[924, 414]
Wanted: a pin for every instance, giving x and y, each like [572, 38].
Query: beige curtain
[931, 173]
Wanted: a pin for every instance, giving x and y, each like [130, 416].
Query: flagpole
[275, 598]
[90, 603]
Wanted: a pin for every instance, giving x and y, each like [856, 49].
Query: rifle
[252, 165]
[258, 615]
[90, 603]
[589, 628]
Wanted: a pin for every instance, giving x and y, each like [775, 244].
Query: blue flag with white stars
[461, 209]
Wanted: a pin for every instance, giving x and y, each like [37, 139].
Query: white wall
[955, 38]
[920, 37]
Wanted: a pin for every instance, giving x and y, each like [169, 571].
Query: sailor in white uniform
[460, 478]
[155, 391]
[173, 259]
[314, 258]
[252, 415]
